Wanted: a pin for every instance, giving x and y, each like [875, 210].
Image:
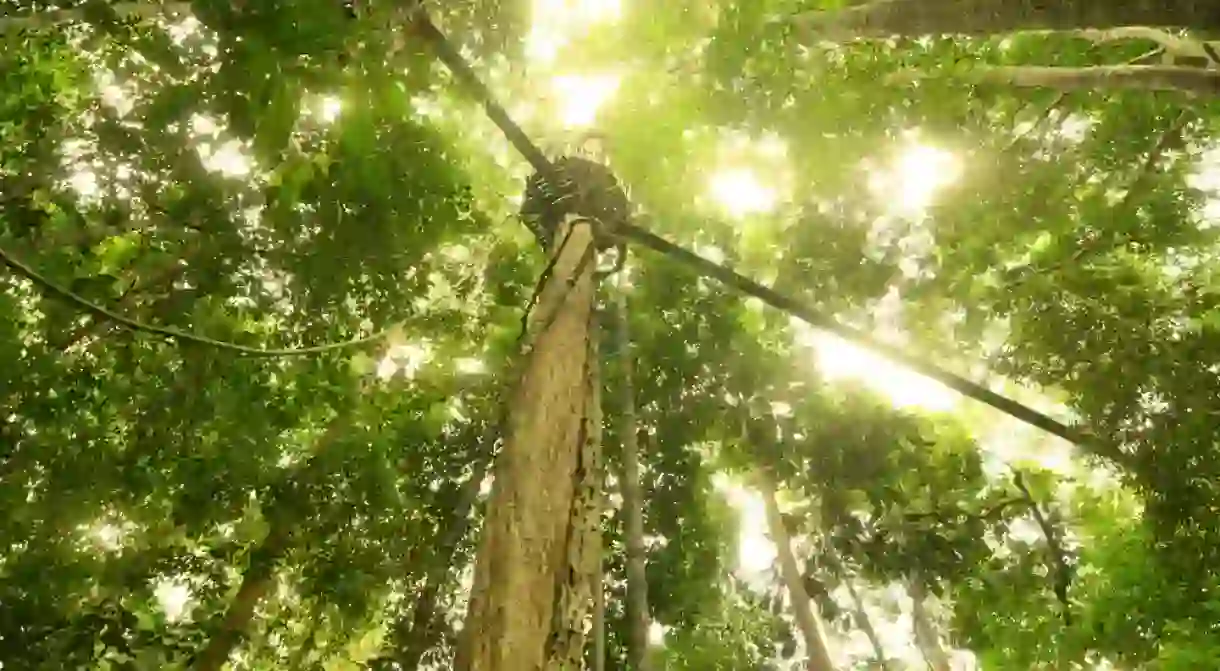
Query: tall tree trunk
[599, 616]
[914, 18]
[638, 616]
[926, 637]
[803, 609]
[525, 564]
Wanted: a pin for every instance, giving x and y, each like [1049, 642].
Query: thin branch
[865, 623]
[1062, 572]
[1174, 45]
[1171, 134]
[1059, 100]
[987, 514]
[56, 291]
[415, 633]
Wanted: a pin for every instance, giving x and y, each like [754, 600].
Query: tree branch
[1176, 46]
[1172, 78]
[825, 323]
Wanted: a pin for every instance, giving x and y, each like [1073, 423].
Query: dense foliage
[293, 174]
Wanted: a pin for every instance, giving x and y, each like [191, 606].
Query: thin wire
[56, 291]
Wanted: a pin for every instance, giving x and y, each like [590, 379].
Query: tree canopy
[267, 284]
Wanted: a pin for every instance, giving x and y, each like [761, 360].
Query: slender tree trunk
[415, 633]
[926, 637]
[638, 617]
[862, 619]
[236, 619]
[524, 556]
[1197, 81]
[865, 623]
[807, 617]
[914, 18]
[599, 617]
[231, 627]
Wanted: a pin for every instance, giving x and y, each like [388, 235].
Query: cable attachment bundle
[582, 187]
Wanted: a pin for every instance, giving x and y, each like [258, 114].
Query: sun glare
[556, 21]
[911, 183]
[740, 193]
[580, 97]
[837, 359]
[174, 597]
[755, 551]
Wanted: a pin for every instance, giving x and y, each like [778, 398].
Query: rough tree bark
[807, 617]
[524, 552]
[638, 616]
[1183, 79]
[913, 18]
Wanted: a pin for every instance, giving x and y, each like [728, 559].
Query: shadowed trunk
[633, 505]
[283, 512]
[524, 546]
[866, 623]
[236, 620]
[416, 632]
[807, 618]
[914, 18]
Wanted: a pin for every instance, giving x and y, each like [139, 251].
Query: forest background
[267, 278]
